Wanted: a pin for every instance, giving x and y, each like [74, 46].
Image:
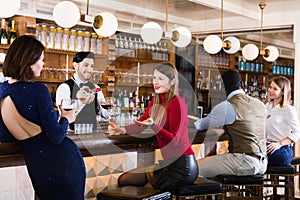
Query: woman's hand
[69, 114]
[114, 129]
[272, 147]
[147, 122]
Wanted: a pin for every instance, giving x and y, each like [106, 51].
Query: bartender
[88, 95]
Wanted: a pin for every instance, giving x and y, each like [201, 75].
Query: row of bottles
[255, 88]
[207, 80]
[219, 60]
[256, 66]
[7, 34]
[126, 45]
[131, 100]
[69, 40]
[282, 69]
[135, 42]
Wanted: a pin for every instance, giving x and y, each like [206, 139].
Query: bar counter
[99, 143]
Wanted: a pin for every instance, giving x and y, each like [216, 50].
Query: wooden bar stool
[133, 193]
[277, 177]
[296, 163]
[241, 187]
[201, 190]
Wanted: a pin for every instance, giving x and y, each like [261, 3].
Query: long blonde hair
[285, 86]
[170, 71]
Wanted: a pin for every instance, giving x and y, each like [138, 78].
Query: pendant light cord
[262, 6]
[87, 7]
[222, 17]
[167, 10]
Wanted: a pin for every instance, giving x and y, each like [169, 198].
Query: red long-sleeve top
[172, 132]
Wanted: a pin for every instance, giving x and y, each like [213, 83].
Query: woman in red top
[167, 115]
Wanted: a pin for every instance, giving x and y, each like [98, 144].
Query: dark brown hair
[22, 53]
[285, 86]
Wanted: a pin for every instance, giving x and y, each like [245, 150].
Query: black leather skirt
[173, 173]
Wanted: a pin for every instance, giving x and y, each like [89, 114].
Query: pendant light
[9, 8]
[105, 24]
[66, 19]
[213, 43]
[151, 33]
[251, 51]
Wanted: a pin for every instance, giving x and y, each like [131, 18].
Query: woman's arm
[54, 130]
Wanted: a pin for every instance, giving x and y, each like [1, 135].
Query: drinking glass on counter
[83, 128]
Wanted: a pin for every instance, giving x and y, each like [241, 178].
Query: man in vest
[243, 118]
[78, 87]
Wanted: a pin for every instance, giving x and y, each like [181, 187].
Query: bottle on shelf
[125, 100]
[241, 66]
[86, 41]
[44, 35]
[4, 37]
[51, 38]
[65, 39]
[79, 41]
[93, 42]
[13, 32]
[72, 41]
[58, 39]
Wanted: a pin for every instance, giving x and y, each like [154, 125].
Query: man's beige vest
[247, 133]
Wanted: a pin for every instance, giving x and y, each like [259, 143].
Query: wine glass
[69, 104]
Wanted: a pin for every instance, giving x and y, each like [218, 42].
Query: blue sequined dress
[54, 162]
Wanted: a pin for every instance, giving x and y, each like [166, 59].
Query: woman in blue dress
[54, 162]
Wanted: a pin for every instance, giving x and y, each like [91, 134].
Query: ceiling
[240, 17]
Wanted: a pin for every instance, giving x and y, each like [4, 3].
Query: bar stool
[202, 189]
[296, 163]
[277, 177]
[241, 187]
[133, 193]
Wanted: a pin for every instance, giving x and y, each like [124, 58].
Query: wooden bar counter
[99, 143]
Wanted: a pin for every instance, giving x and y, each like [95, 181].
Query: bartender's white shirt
[63, 92]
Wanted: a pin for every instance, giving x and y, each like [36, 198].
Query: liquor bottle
[131, 100]
[125, 100]
[4, 38]
[13, 32]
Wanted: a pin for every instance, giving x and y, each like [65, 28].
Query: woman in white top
[283, 128]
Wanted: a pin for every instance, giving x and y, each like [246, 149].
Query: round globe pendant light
[66, 14]
[271, 53]
[182, 38]
[151, 32]
[105, 24]
[212, 44]
[232, 45]
[250, 52]
[9, 8]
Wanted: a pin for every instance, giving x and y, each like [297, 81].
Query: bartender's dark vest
[88, 114]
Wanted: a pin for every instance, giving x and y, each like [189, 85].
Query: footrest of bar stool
[287, 169]
[201, 187]
[241, 187]
[295, 161]
[280, 177]
[133, 193]
[241, 180]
